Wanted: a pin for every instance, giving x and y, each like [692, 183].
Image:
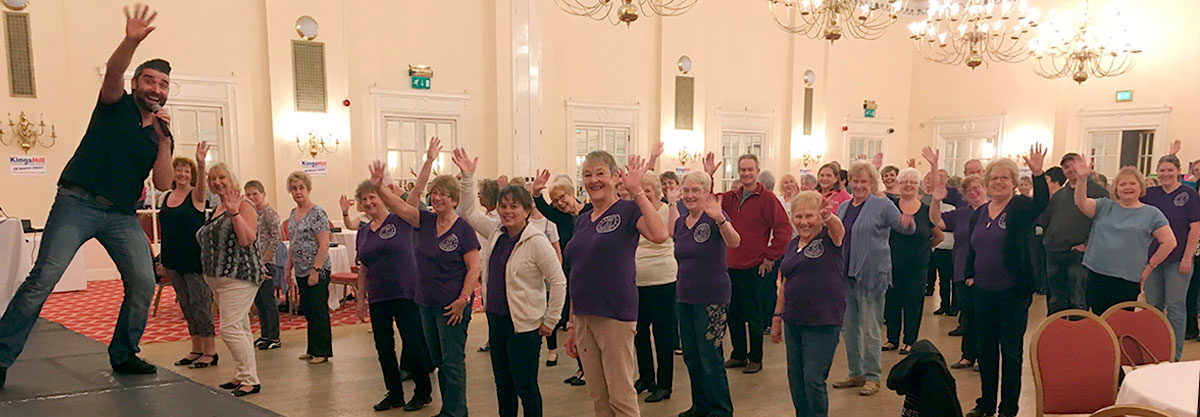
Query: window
[191, 124]
[959, 150]
[733, 145]
[864, 147]
[1106, 152]
[965, 138]
[599, 127]
[1123, 136]
[1111, 150]
[407, 139]
[612, 139]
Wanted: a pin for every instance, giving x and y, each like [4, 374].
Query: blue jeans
[861, 328]
[447, 346]
[73, 220]
[809, 356]
[1166, 289]
[701, 332]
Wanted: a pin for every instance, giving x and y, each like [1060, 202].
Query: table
[339, 261]
[1171, 387]
[349, 239]
[17, 253]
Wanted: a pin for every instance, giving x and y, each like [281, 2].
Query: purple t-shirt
[497, 285]
[1182, 207]
[988, 240]
[700, 251]
[851, 215]
[814, 286]
[602, 279]
[387, 253]
[958, 221]
[440, 260]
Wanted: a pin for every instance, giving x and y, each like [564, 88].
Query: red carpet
[93, 313]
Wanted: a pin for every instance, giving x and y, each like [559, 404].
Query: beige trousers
[234, 298]
[606, 350]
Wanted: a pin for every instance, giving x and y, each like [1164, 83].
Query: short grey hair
[767, 179]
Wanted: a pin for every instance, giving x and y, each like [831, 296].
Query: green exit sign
[1124, 95]
[868, 112]
[421, 83]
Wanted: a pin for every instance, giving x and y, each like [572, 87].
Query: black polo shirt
[115, 156]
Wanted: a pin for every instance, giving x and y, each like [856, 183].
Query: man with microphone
[126, 139]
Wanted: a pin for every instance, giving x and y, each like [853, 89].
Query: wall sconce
[315, 144]
[27, 135]
[810, 158]
[686, 157]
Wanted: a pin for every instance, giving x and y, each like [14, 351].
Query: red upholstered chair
[1144, 334]
[1075, 363]
[1130, 410]
[347, 279]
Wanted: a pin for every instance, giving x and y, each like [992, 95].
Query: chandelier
[833, 19]
[627, 12]
[974, 31]
[1062, 50]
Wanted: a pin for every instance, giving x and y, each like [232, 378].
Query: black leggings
[656, 317]
[1105, 291]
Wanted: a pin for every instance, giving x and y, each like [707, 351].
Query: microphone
[155, 107]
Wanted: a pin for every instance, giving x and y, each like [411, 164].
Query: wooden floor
[351, 382]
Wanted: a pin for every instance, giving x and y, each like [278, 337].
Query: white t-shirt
[948, 241]
[655, 262]
[547, 227]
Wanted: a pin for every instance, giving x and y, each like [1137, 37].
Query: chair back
[1130, 410]
[1143, 332]
[1075, 360]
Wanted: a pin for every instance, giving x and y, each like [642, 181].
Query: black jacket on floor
[925, 382]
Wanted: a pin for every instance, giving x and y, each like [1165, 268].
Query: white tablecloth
[349, 239]
[1171, 387]
[18, 251]
[339, 261]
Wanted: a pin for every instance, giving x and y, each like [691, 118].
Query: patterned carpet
[93, 313]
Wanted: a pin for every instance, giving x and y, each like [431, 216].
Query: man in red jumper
[763, 224]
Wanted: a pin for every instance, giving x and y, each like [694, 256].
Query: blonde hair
[299, 176]
[806, 200]
[700, 178]
[233, 181]
[1131, 172]
[968, 181]
[864, 167]
[651, 180]
[1001, 163]
[184, 161]
[562, 182]
[447, 184]
[601, 158]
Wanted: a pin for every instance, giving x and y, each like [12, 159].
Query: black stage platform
[63, 373]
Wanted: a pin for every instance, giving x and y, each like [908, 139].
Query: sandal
[850, 383]
[241, 391]
[963, 364]
[198, 365]
[187, 360]
[889, 346]
[869, 388]
[903, 349]
[230, 385]
[318, 360]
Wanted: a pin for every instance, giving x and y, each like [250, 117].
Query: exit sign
[1124, 96]
[421, 83]
[868, 112]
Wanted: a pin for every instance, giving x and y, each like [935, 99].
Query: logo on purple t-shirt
[449, 244]
[702, 233]
[1181, 199]
[1002, 221]
[608, 223]
[388, 231]
[814, 249]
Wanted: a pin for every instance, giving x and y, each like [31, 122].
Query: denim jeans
[515, 367]
[1066, 281]
[1166, 289]
[73, 220]
[861, 328]
[809, 356]
[701, 332]
[447, 346]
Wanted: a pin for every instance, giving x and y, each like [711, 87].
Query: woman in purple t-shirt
[1166, 287]
[812, 301]
[603, 290]
[703, 291]
[957, 222]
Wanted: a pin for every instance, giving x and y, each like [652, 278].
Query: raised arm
[654, 154]
[837, 230]
[710, 167]
[201, 191]
[1085, 204]
[468, 209]
[1041, 192]
[391, 198]
[245, 220]
[431, 154]
[345, 203]
[650, 225]
[712, 207]
[937, 194]
[137, 27]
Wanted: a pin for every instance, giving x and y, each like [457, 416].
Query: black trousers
[1192, 293]
[1001, 317]
[902, 311]
[966, 321]
[745, 318]
[515, 366]
[1104, 291]
[313, 300]
[767, 289]
[943, 261]
[930, 279]
[268, 309]
[414, 354]
[656, 317]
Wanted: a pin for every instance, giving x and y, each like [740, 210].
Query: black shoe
[1191, 335]
[258, 343]
[735, 363]
[952, 313]
[961, 365]
[642, 386]
[752, 367]
[939, 312]
[390, 401]
[571, 380]
[888, 347]
[417, 403]
[188, 361]
[3, 376]
[659, 395]
[903, 350]
[691, 412]
[229, 385]
[977, 413]
[958, 331]
[1003, 414]
[135, 366]
[579, 382]
[767, 331]
[197, 364]
[270, 344]
[242, 393]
